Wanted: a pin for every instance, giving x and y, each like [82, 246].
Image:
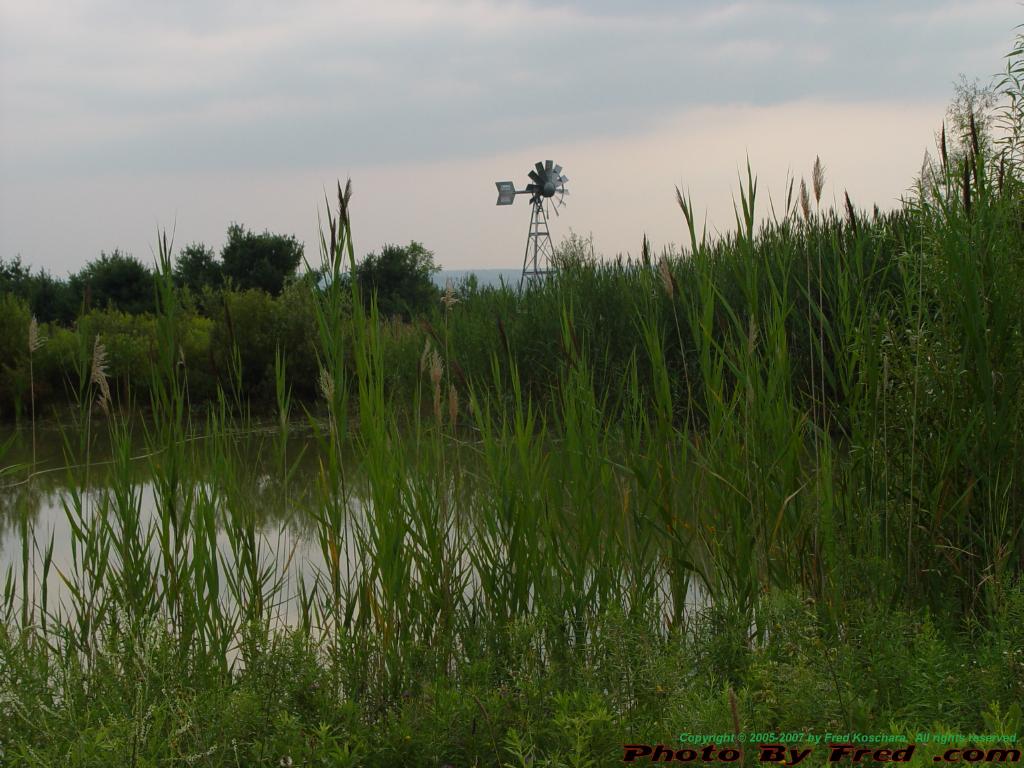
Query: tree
[48, 298]
[197, 268]
[14, 277]
[262, 261]
[401, 278]
[971, 100]
[51, 299]
[116, 280]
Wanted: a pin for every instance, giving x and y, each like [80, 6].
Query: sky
[118, 118]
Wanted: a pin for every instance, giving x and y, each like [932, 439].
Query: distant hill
[483, 276]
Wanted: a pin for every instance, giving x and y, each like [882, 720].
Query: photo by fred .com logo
[710, 753]
[659, 753]
[788, 757]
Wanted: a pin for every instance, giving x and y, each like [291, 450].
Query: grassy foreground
[775, 485]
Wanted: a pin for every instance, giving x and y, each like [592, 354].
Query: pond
[41, 501]
[442, 526]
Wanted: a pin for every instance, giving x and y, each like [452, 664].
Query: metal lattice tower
[547, 181]
[539, 248]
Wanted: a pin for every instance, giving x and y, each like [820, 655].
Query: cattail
[645, 251]
[805, 200]
[453, 405]
[818, 179]
[666, 276]
[99, 374]
[35, 338]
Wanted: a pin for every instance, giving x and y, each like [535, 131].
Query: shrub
[14, 322]
[263, 261]
[400, 276]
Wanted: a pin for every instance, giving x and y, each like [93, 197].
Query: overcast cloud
[117, 116]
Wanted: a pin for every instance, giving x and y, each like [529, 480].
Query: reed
[822, 406]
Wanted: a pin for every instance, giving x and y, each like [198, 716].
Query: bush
[14, 380]
[117, 281]
[264, 262]
[400, 276]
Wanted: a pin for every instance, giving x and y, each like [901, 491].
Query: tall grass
[828, 404]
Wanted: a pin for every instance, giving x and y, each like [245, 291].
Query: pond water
[38, 502]
[42, 499]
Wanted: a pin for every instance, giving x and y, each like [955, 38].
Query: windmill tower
[547, 184]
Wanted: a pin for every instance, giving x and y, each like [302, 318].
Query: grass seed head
[805, 200]
[425, 357]
[666, 276]
[453, 405]
[966, 186]
[99, 374]
[449, 299]
[975, 144]
[430, 362]
[326, 385]
[944, 151]
[818, 179]
[35, 338]
[435, 368]
[734, 710]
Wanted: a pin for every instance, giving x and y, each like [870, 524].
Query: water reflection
[271, 485]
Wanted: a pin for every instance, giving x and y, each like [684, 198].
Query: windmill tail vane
[547, 184]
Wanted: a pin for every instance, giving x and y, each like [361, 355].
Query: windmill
[547, 183]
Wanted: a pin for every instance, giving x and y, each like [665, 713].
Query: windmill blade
[548, 165]
[540, 168]
[564, 179]
[535, 176]
[531, 187]
[558, 170]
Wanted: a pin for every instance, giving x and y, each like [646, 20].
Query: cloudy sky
[118, 117]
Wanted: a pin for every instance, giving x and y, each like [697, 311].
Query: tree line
[400, 276]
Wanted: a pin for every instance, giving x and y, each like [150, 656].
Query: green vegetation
[399, 280]
[772, 484]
